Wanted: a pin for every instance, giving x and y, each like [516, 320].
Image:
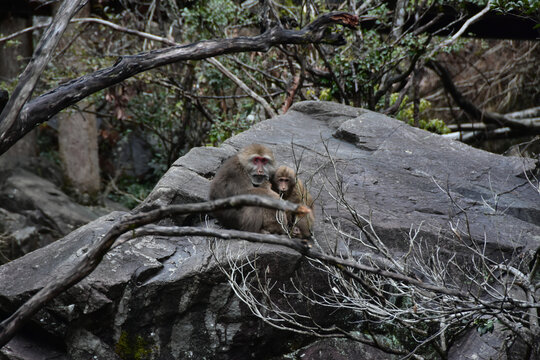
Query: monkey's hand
[302, 211]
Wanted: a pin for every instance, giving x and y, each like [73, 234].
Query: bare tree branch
[243, 86]
[29, 77]
[45, 106]
[293, 243]
[463, 28]
[89, 20]
[91, 258]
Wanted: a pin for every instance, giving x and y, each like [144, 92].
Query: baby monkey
[266, 221]
[292, 189]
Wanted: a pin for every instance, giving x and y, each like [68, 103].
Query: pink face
[259, 163]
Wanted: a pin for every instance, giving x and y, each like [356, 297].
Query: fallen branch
[91, 258]
[470, 137]
[295, 245]
[525, 114]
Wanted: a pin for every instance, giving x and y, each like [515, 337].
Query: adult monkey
[244, 173]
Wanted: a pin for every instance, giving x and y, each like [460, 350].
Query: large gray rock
[34, 212]
[165, 298]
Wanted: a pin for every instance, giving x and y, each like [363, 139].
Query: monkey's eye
[260, 160]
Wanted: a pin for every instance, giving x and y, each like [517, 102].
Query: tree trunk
[12, 60]
[78, 142]
[78, 148]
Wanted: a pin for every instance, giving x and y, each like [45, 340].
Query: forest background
[424, 62]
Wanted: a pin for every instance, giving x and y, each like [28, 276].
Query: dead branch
[84, 20]
[177, 231]
[30, 75]
[526, 114]
[45, 106]
[281, 240]
[91, 258]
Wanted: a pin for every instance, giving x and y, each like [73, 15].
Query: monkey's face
[260, 169]
[284, 184]
[284, 180]
[258, 161]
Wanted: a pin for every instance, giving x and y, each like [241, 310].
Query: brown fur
[258, 219]
[241, 175]
[292, 189]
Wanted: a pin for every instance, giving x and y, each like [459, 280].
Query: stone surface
[35, 212]
[166, 298]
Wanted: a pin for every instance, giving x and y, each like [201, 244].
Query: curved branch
[83, 20]
[45, 106]
[298, 246]
[32, 72]
[464, 27]
[91, 259]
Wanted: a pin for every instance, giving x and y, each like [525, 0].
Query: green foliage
[434, 125]
[528, 7]
[130, 191]
[225, 128]
[483, 326]
[8, 85]
[375, 55]
[406, 114]
[158, 113]
[326, 94]
[12, 43]
[209, 18]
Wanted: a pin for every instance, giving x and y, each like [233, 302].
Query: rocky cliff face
[166, 298]
[34, 212]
